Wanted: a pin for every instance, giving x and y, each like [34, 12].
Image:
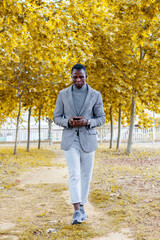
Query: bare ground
[28, 198]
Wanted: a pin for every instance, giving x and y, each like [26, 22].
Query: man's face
[79, 77]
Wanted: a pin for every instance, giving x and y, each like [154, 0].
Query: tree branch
[142, 53]
[134, 55]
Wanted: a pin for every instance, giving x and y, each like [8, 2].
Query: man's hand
[78, 123]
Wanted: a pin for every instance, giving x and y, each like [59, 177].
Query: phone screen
[76, 118]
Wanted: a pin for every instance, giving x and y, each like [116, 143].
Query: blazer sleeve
[58, 116]
[98, 113]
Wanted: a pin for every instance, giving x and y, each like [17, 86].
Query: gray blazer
[92, 109]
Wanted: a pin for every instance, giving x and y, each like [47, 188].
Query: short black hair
[78, 66]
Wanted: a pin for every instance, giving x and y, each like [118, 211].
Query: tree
[25, 44]
[41, 41]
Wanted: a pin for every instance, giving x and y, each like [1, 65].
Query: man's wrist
[69, 124]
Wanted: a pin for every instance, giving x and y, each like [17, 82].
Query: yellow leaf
[134, 38]
[156, 19]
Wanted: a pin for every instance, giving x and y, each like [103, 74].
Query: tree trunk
[49, 130]
[119, 128]
[154, 127]
[111, 119]
[39, 140]
[131, 128]
[29, 120]
[17, 126]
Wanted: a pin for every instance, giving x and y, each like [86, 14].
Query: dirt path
[49, 175]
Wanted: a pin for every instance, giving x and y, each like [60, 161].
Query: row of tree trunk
[50, 124]
[131, 128]
[28, 133]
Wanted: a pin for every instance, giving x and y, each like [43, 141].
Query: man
[79, 109]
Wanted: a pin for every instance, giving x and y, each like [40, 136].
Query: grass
[124, 189]
[36, 208]
[45, 210]
[60, 232]
[54, 219]
[127, 189]
[12, 165]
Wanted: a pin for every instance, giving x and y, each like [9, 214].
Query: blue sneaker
[77, 217]
[84, 215]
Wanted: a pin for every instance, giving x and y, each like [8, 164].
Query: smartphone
[76, 118]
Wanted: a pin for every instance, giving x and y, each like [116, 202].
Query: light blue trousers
[80, 168]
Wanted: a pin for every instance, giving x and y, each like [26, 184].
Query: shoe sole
[83, 219]
[75, 222]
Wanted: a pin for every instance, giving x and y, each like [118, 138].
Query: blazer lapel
[70, 99]
[88, 100]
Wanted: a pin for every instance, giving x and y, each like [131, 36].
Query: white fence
[103, 134]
